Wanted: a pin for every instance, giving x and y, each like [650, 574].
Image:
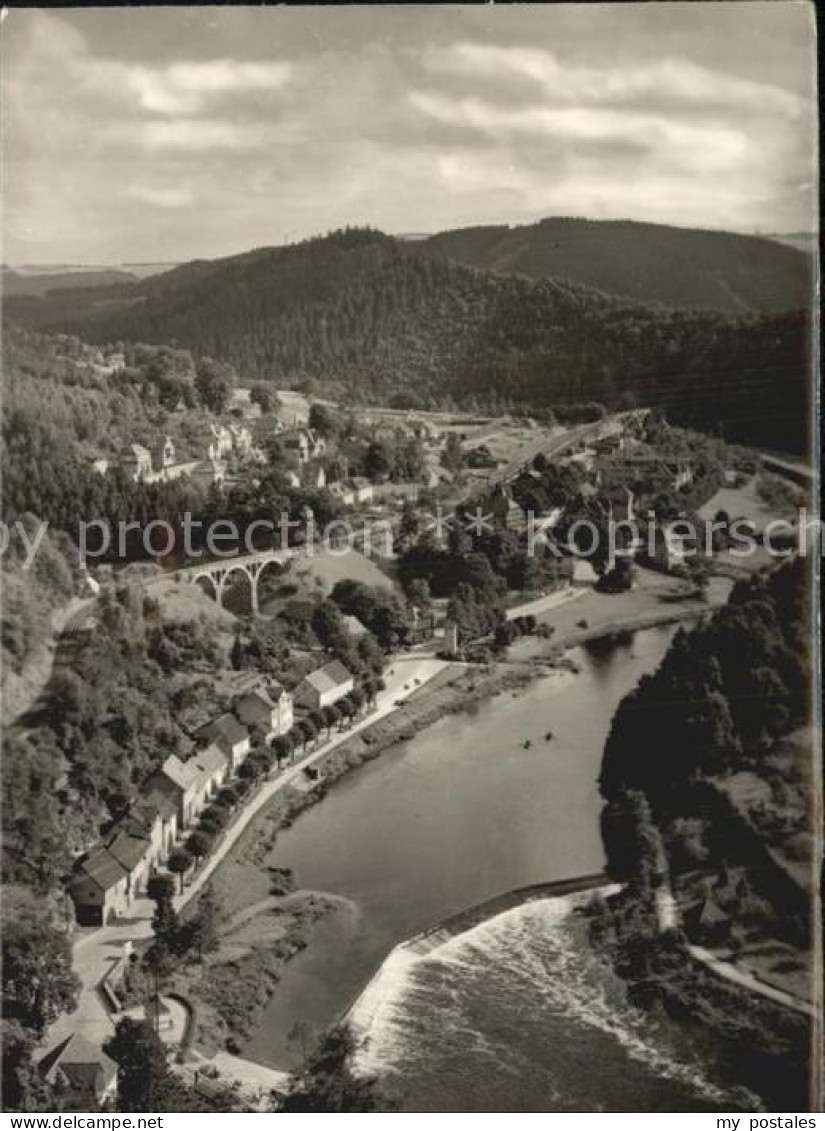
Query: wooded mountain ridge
[360, 315]
[683, 267]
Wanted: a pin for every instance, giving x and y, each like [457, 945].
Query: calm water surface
[453, 817]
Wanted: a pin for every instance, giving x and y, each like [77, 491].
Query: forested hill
[40, 283]
[682, 267]
[358, 314]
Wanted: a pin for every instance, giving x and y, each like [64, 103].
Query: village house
[353, 626]
[98, 888]
[78, 1069]
[293, 408]
[159, 815]
[230, 736]
[136, 461]
[504, 510]
[242, 441]
[213, 765]
[324, 686]
[303, 443]
[362, 489]
[218, 441]
[395, 492]
[268, 708]
[131, 846]
[163, 454]
[313, 475]
[180, 781]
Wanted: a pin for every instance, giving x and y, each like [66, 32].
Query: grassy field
[654, 593]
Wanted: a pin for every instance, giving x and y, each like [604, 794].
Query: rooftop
[210, 759]
[182, 774]
[226, 730]
[129, 845]
[328, 677]
[80, 1061]
[101, 867]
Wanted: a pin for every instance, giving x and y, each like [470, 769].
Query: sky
[139, 135]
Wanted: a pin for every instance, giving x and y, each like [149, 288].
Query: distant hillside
[802, 241]
[40, 283]
[360, 315]
[646, 262]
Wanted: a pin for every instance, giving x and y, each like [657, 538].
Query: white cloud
[189, 87]
[200, 143]
[712, 144]
[163, 197]
[670, 79]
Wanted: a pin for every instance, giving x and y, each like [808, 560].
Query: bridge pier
[253, 573]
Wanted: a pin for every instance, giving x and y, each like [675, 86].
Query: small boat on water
[526, 744]
[549, 736]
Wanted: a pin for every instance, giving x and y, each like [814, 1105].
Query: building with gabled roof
[213, 765]
[268, 708]
[98, 888]
[131, 846]
[324, 686]
[180, 782]
[230, 736]
[159, 814]
[137, 462]
[78, 1068]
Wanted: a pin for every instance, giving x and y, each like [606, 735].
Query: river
[460, 813]
[456, 815]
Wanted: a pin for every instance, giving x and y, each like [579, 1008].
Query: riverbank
[507, 1006]
[242, 881]
[750, 1041]
[259, 932]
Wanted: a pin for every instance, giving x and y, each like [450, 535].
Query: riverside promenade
[95, 953]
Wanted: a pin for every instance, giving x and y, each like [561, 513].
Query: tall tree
[38, 981]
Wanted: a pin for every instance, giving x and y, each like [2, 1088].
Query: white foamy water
[517, 1014]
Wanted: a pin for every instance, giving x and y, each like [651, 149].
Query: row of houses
[160, 464]
[109, 877]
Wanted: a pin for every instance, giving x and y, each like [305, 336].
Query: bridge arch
[249, 571]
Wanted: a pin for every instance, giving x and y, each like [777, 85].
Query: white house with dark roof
[213, 766]
[99, 888]
[324, 686]
[219, 442]
[159, 813]
[230, 735]
[180, 781]
[136, 461]
[163, 454]
[269, 708]
[131, 846]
